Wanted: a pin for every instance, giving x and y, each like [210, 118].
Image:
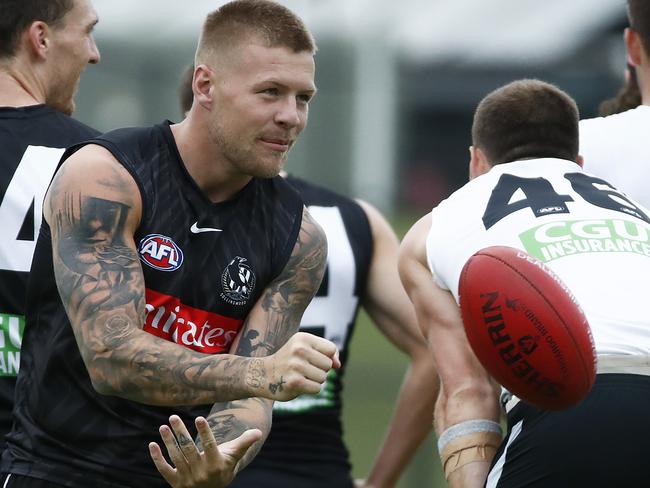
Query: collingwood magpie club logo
[238, 282]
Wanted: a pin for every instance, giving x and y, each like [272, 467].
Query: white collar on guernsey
[534, 165]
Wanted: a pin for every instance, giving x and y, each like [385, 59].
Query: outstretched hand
[214, 467]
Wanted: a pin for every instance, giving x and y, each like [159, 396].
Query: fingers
[326, 351]
[336, 361]
[305, 387]
[323, 346]
[328, 354]
[173, 450]
[301, 366]
[314, 373]
[236, 448]
[163, 467]
[180, 446]
[315, 359]
[209, 443]
[184, 439]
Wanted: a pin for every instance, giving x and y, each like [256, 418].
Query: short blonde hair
[271, 23]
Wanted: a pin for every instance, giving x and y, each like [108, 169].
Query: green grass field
[374, 375]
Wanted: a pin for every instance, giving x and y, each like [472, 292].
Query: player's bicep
[276, 315]
[93, 207]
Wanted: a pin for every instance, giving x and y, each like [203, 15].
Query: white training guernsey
[616, 148]
[592, 236]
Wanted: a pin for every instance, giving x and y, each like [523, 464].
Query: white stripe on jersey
[497, 470]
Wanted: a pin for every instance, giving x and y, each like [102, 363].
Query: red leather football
[526, 328]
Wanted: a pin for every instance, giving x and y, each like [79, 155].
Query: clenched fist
[300, 366]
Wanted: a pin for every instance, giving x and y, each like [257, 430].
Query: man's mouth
[277, 144]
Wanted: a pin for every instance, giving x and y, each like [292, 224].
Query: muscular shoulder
[91, 171]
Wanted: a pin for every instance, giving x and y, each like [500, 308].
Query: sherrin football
[526, 328]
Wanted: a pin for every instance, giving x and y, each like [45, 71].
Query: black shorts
[19, 481]
[602, 442]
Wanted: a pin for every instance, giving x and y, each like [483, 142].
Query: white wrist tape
[466, 428]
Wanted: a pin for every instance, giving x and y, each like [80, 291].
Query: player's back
[592, 236]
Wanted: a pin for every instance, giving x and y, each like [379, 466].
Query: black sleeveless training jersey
[305, 447]
[205, 265]
[32, 140]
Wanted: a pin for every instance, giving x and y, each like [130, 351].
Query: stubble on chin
[271, 169]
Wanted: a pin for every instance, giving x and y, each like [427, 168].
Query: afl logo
[160, 252]
[238, 282]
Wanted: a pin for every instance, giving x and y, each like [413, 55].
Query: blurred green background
[374, 374]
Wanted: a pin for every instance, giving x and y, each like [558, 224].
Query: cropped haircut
[272, 23]
[638, 12]
[526, 119]
[17, 15]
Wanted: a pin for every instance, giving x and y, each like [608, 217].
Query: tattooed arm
[93, 208]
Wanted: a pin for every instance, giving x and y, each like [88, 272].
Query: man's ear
[580, 161]
[38, 36]
[633, 45]
[203, 85]
[478, 162]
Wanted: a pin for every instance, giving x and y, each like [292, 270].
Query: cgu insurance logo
[566, 237]
[11, 337]
[207, 332]
[160, 252]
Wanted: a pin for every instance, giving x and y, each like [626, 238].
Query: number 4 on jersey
[26, 191]
[542, 198]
